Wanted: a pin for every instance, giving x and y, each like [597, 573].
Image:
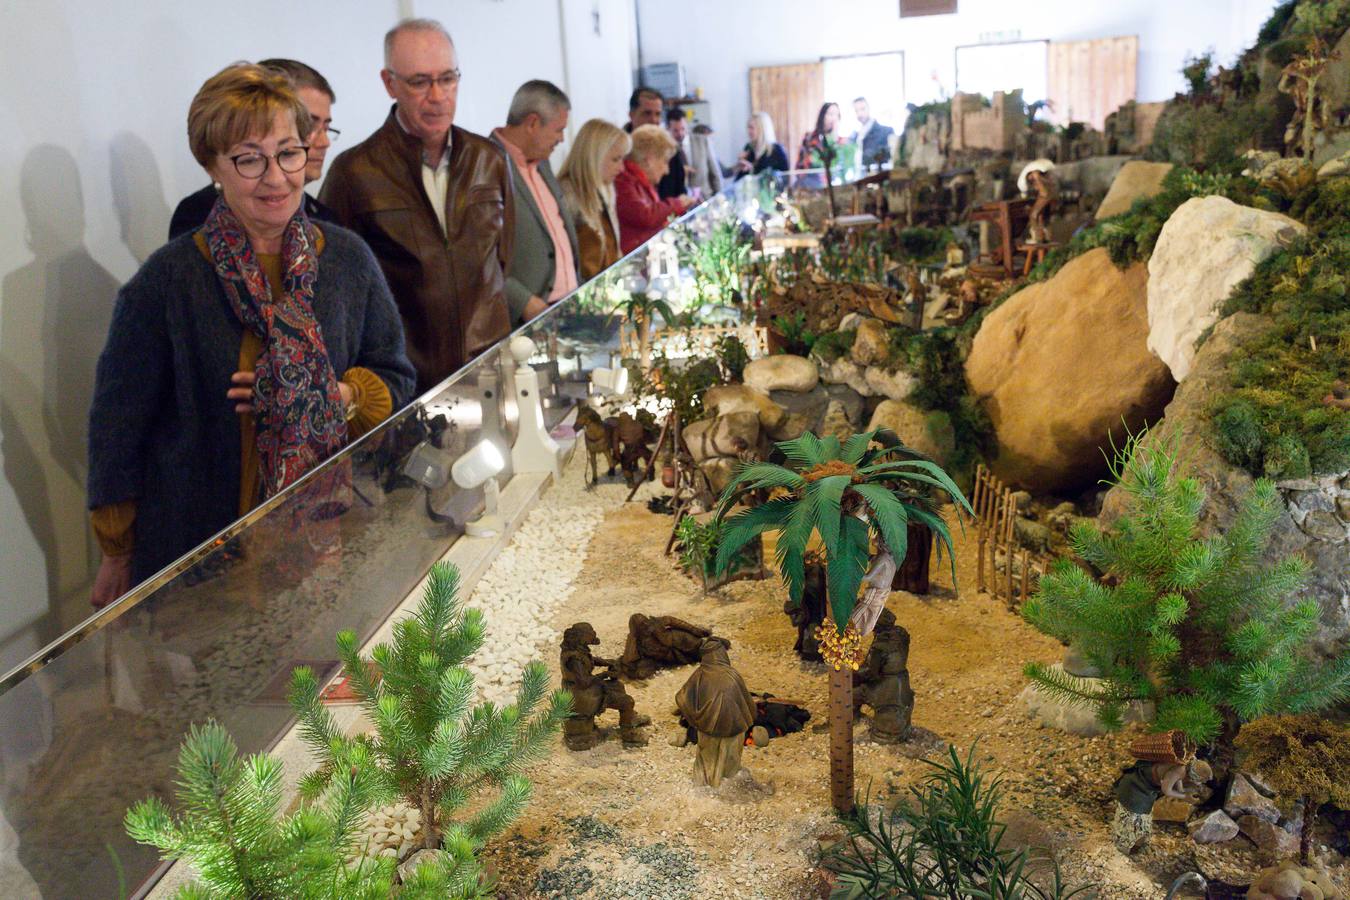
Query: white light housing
[480, 466]
[612, 382]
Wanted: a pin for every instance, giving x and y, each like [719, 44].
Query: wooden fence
[1005, 568]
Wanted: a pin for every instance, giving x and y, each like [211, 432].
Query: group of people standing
[274, 328]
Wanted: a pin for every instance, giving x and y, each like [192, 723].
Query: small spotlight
[480, 466]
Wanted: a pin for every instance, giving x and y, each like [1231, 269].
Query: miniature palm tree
[231, 832]
[854, 495]
[429, 746]
[1302, 757]
[638, 309]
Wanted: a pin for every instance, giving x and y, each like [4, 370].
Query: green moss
[830, 347]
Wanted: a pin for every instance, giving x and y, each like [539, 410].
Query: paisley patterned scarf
[300, 420]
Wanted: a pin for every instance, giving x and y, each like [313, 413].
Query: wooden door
[791, 95]
[1089, 80]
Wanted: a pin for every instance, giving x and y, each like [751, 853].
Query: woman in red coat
[642, 212]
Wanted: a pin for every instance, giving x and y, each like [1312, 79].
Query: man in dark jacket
[674, 184]
[434, 202]
[318, 97]
[872, 138]
[544, 258]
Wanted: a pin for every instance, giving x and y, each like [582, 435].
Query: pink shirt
[565, 270]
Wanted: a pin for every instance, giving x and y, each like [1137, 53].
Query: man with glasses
[317, 96]
[434, 203]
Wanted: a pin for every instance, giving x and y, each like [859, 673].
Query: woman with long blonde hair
[763, 150]
[587, 179]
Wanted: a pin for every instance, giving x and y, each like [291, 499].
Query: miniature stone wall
[997, 127]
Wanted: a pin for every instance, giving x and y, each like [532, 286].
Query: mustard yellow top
[114, 524]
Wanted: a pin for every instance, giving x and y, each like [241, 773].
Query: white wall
[93, 104]
[718, 42]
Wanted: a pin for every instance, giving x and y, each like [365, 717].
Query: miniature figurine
[659, 642]
[633, 440]
[956, 255]
[1299, 80]
[1167, 766]
[917, 298]
[600, 439]
[809, 612]
[592, 695]
[715, 702]
[1037, 179]
[883, 682]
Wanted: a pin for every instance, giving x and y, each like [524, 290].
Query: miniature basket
[1168, 747]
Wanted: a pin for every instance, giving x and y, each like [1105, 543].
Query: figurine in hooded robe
[809, 612]
[659, 642]
[715, 702]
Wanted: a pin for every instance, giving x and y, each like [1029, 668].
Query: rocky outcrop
[781, 372]
[871, 345]
[731, 398]
[1316, 512]
[1207, 247]
[1136, 179]
[929, 432]
[869, 381]
[1061, 366]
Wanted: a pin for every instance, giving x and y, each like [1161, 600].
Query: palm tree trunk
[841, 739]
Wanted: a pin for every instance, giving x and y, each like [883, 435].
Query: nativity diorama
[980, 530]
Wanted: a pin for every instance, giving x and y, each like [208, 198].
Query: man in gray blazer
[543, 266]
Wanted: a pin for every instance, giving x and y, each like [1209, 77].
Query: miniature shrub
[698, 546]
[1304, 758]
[830, 347]
[922, 244]
[429, 745]
[1202, 627]
[679, 385]
[732, 357]
[797, 338]
[942, 841]
[1274, 26]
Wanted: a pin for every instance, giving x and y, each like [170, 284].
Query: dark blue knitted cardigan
[161, 431]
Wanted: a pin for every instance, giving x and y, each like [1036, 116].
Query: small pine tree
[1202, 627]
[231, 832]
[428, 745]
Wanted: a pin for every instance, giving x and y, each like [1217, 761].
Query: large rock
[893, 385]
[1073, 718]
[731, 398]
[1062, 366]
[1136, 179]
[723, 436]
[1216, 827]
[781, 372]
[850, 400]
[929, 432]
[1206, 248]
[1245, 800]
[1188, 419]
[719, 471]
[872, 344]
[836, 422]
[1272, 840]
[809, 405]
[844, 371]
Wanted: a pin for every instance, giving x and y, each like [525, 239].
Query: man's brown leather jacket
[449, 286]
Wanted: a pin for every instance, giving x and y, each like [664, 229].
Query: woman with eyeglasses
[242, 354]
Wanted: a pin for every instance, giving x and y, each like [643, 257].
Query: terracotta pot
[668, 476]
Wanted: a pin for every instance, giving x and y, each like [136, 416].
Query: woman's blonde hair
[586, 193]
[652, 142]
[237, 102]
[767, 136]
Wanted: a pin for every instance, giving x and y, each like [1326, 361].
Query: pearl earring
[216, 185]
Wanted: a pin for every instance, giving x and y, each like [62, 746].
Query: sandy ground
[614, 822]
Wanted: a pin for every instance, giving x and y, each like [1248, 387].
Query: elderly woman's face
[264, 203]
[655, 166]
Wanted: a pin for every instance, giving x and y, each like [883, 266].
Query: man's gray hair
[543, 98]
[406, 25]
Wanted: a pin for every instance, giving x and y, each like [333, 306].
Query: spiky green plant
[850, 494]
[429, 746]
[1201, 627]
[230, 830]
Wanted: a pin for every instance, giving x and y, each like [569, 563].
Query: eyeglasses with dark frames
[420, 84]
[254, 165]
